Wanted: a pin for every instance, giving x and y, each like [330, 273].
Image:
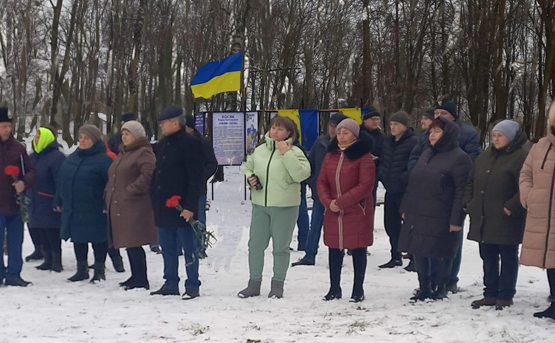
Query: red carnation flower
[12, 171]
[173, 201]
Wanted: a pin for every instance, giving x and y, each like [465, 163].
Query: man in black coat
[316, 159]
[179, 172]
[115, 141]
[371, 125]
[394, 175]
[210, 163]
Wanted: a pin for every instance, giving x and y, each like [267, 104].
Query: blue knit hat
[450, 107]
[509, 128]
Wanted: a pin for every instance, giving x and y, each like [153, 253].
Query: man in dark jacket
[316, 159]
[179, 172]
[469, 142]
[394, 175]
[210, 163]
[115, 141]
[425, 121]
[371, 125]
[12, 153]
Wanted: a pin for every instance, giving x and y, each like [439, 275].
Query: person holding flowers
[179, 172]
[79, 196]
[48, 159]
[130, 215]
[18, 174]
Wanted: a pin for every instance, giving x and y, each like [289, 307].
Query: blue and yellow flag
[307, 123]
[218, 77]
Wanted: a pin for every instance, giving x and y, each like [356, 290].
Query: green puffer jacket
[280, 175]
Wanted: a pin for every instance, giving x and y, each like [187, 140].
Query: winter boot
[82, 272]
[117, 261]
[392, 264]
[98, 272]
[441, 292]
[164, 290]
[501, 304]
[549, 313]
[276, 290]
[17, 282]
[411, 267]
[486, 301]
[332, 295]
[57, 262]
[190, 294]
[35, 256]
[252, 290]
[47, 263]
[422, 294]
[357, 298]
[303, 262]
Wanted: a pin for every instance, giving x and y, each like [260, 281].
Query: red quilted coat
[348, 176]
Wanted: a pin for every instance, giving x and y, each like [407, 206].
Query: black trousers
[82, 250]
[137, 261]
[36, 238]
[336, 264]
[499, 283]
[50, 240]
[393, 221]
[424, 267]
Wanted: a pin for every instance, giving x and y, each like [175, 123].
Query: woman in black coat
[497, 218]
[432, 206]
[48, 159]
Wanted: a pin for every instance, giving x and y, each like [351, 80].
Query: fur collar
[361, 147]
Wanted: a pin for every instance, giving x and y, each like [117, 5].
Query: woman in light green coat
[274, 171]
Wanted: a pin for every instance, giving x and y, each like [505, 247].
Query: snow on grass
[55, 310]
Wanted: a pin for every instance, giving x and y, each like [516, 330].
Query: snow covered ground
[55, 310]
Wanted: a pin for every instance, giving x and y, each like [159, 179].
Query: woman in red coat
[345, 189]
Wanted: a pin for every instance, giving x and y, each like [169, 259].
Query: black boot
[335, 261]
[98, 272]
[47, 264]
[17, 282]
[392, 264]
[117, 261]
[422, 266]
[549, 313]
[82, 272]
[137, 262]
[359, 266]
[57, 262]
[35, 256]
[441, 292]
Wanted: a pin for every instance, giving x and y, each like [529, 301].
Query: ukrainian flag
[307, 123]
[218, 77]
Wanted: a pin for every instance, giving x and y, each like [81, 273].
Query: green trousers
[277, 223]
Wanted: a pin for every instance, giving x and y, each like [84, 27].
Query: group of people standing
[93, 197]
[432, 180]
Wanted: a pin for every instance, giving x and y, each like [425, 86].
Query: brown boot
[501, 304]
[486, 301]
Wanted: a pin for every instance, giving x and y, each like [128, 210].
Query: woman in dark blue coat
[432, 207]
[80, 198]
[48, 159]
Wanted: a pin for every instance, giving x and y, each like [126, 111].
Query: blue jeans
[202, 208]
[302, 223]
[316, 223]
[168, 237]
[454, 279]
[14, 225]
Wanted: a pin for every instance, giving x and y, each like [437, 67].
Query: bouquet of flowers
[21, 198]
[204, 237]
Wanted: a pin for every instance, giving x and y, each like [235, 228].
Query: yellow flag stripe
[353, 113]
[228, 82]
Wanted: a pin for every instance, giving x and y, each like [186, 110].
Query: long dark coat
[80, 191]
[493, 185]
[11, 154]
[131, 219]
[433, 199]
[179, 171]
[348, 176]
[41, 195]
